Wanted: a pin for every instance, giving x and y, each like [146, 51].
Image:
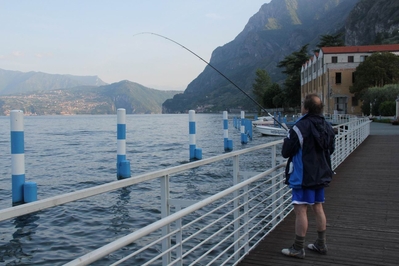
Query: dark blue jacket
[309, 144]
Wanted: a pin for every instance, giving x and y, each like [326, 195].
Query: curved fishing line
[229, 80]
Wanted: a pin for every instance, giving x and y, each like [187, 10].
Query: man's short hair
[313, 104]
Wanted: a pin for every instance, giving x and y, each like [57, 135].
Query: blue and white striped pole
[248, 128]
[244, 137]
[228, 144]
[122, 165]
[17, 156]
[195, 153]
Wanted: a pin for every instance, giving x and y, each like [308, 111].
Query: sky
[102, 38]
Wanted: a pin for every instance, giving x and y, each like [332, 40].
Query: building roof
[360, 49]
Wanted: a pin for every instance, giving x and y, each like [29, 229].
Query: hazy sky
[98, 37]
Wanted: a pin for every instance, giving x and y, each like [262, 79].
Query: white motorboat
[263, 121]
[271, 130]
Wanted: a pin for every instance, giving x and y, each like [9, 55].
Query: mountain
[373, 22]
[13, 82]
[278, 29]
[106, 99]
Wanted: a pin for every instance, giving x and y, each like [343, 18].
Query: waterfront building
[330, 73]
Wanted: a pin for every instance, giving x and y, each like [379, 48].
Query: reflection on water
[120, 211]
[25, 230]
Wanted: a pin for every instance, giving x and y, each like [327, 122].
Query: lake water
[69, 153]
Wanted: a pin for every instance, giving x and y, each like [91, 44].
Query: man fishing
[309, 144]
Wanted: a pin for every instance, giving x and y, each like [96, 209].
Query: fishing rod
[217, 70]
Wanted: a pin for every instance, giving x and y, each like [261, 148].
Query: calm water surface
[69, 153]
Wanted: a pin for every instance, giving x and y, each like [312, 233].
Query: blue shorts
[307, 196]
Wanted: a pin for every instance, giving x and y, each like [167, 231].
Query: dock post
[122, 165]
[30, 192]
[228, 144]
[17, 156]
[195, 153]
[244, 137]
[248, 126]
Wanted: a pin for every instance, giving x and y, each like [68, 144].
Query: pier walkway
[362, 209]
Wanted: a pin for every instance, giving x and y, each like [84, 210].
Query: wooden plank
[362, 208]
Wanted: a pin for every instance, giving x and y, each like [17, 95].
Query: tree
[292, 84]
[377, 70]
[269, 95]
[331, 40]
[387, 108]
[381, 100]
[278, 100]
[262, 82]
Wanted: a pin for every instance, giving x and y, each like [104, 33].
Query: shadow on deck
[362, 209]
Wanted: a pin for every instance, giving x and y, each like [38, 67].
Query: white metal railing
[338, 119]
[218, 230]
[349, 136]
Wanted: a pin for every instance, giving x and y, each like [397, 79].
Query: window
[353, 77]
[338, 78]
[363, 57]
[355, 101]
[341, 105]
[350, 59]
[334, 59]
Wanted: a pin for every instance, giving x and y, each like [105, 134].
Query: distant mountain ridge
[106, 99]
[14, 82]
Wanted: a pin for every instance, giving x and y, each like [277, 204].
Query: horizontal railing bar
[215, 209]
[232, 233]
[160, 255]
[220, 218]
[39, 205]
[241, 237]
[228, 236]
[181, 202]
[126, 240]
[215, 246]
[209, 238]
[157, 241]
[259, 240]
[242, 247]
[239, 217]
[205, 215]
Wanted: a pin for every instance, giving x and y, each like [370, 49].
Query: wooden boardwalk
[362, 209]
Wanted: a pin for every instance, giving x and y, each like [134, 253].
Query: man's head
[312, 105]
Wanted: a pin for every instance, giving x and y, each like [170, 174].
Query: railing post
[274, 188]
[165, 212]
[179, 240]
[281, 192]
[236, 180]
[246, 219]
